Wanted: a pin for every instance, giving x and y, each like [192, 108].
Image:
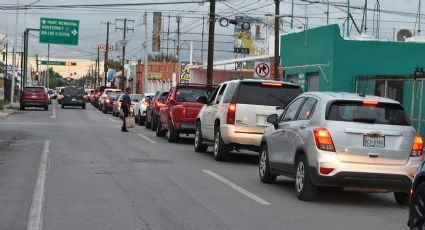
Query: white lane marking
[147, 138]
[54, 110]
[35, 220]
[237, 187]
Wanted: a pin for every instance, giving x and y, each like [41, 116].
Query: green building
[321, 60]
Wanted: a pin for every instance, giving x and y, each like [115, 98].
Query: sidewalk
[7, 111]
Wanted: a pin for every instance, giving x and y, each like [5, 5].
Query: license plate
[374, 141]
[73, 99]
[33, 96]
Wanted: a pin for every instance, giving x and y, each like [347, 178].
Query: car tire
[159, 131]
[173, 134]
[22, 107]
[264, 170]
[46, 107]
[62, 106]
[154, 122]
[304, 188]
[141, 120]
[417, 208]
[221, 150]
[197, 144]
[147, 124]
[104, 110]
[402, 198]
[83, 106]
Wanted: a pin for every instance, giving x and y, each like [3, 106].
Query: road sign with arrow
[59, 31]
[262, 70]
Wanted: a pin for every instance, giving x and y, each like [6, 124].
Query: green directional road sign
[59, 31]
[67, 63]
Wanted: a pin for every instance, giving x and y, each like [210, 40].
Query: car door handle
[303, 126]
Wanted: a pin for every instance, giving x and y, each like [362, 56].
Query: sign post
[59, 31]
[262, 70]
[65, 63]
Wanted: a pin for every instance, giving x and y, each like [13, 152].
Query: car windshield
[136, 97]
[114, 94]
[34, 89]
[73, 90]
[256, 93]
[357, 111]
[192, 94]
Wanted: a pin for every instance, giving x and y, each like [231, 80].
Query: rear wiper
[365, 120]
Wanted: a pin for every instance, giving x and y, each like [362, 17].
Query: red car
[34, 96]
[179, 113]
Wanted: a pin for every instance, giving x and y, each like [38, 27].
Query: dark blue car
[417, 203]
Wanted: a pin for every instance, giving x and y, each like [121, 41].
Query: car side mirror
[273, 119]
[202, 100]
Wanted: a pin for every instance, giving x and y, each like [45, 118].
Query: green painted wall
[342, 61]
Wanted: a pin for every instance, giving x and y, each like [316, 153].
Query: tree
[162, 57]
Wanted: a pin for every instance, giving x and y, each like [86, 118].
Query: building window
[394, 89]
[313, 81]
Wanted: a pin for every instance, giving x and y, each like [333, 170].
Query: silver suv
[235, 115]
[356, 142]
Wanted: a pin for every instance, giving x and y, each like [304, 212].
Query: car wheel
[22, 107]
[304, 188]
[83, 106]
[402, 198]
[221, 150]
[46, 107]
[147, 123]
[104, 110]
[159, 131]
[62, 106]
[266, 175]
[417, 208]
[154, 122]
[199, 147]
[173, 134]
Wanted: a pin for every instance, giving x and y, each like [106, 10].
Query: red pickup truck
[179, 113]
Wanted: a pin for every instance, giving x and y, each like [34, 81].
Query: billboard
[251, 36]
[111, 75]
[156, 32]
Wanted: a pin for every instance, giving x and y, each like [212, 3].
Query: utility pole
[36, 69]
[145, 48]
[202, 41]
[124, 43]
[12, 88]
[97, 68]
[48, 59]
[292, 15]
[327, 13]
[276, 41]
[348, 18]
[178, 49]
[210, 64]
[168, 32]
[105, 64]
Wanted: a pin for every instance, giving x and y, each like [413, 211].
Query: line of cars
[320, 139]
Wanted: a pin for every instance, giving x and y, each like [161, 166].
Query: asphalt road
[97, 177]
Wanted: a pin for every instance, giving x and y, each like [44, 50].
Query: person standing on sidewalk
[125, 106]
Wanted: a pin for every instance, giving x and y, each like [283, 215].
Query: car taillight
[324, 140]
[231, 112]
[418, 147]
[159, 104]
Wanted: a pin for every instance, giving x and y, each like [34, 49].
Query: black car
[73, 96]
[417, 202]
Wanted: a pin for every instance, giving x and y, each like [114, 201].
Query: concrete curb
[5, 113]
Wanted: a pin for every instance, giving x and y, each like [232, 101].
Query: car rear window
[192, 94]
[164, 95]
[114, 94]
[257, 93]
[136, 97]
[73, 90]
[34, 89]
[358, 111]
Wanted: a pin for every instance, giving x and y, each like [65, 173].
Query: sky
[93, 31]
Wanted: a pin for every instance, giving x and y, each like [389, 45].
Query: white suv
[235, 116]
